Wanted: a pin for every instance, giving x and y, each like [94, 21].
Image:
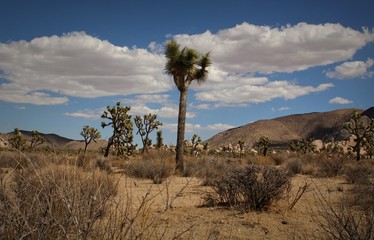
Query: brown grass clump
[155, 165]
[56, 201]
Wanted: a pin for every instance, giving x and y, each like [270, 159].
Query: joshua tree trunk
[181, 129]
[358, 149]
[110, 143]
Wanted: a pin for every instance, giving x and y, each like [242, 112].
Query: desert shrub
[155, 166]
[361, 196]
[280, 158]
[343, 220]
[357, 174]
[54, 202]
[254, 187]
[294, 166]
[331, 166]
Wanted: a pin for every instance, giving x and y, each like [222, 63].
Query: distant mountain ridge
[282, 130]
[50, 138]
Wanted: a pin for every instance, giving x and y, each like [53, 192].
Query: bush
[54, 202]
[254, 187]
[332, 166]
[154, 166]
[352, 219]
[294, 166]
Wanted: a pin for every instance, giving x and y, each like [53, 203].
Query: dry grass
[155, 165]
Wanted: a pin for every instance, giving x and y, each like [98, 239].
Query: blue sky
[63, 62]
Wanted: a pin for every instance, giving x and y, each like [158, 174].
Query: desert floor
[186, 216]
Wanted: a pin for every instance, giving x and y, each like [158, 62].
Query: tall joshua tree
[185, 66]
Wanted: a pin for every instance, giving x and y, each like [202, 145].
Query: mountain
[57, 141]
[282, 130]
[369, 112]
[50, 138]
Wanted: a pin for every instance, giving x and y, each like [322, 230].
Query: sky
[63, 62]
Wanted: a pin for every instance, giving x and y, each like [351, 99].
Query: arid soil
[187, 216]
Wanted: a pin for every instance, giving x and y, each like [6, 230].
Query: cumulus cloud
[164, 112]
[280, 109]
[219, 127]
[192, 128]
[47, 70]
[228, 89]
[93, 114]
[353, 69]
[250, 48]
[340, 100]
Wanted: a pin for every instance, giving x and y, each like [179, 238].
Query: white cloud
[21, 107]
[250, 48]
[352, 70]
[78, 65]
[280, 109]
[164, 112]
[240, 89]
[93, 114]
[148, 98]
[219, 127]
[193, 128]
[227, 89]
[340, 100]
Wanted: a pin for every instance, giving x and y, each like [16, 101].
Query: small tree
[36, 139]
[122, 137]
[160, 140]
[145, 127]
[17, 140]
[89, 134]
[361, 127]
[263, 145]
[195, 140]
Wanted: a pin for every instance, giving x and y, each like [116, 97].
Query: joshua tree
[159, 139]
[263, 145]
[303, 146]
[186, 65]
[17, 141]
[195, 140]
[145, 127]
[36, 139]
[361, 127]
[89, 134]
[120, 121]
[369, 145]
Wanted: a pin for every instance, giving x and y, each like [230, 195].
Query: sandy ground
[185, 214]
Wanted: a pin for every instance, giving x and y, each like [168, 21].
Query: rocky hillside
[282, 130]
